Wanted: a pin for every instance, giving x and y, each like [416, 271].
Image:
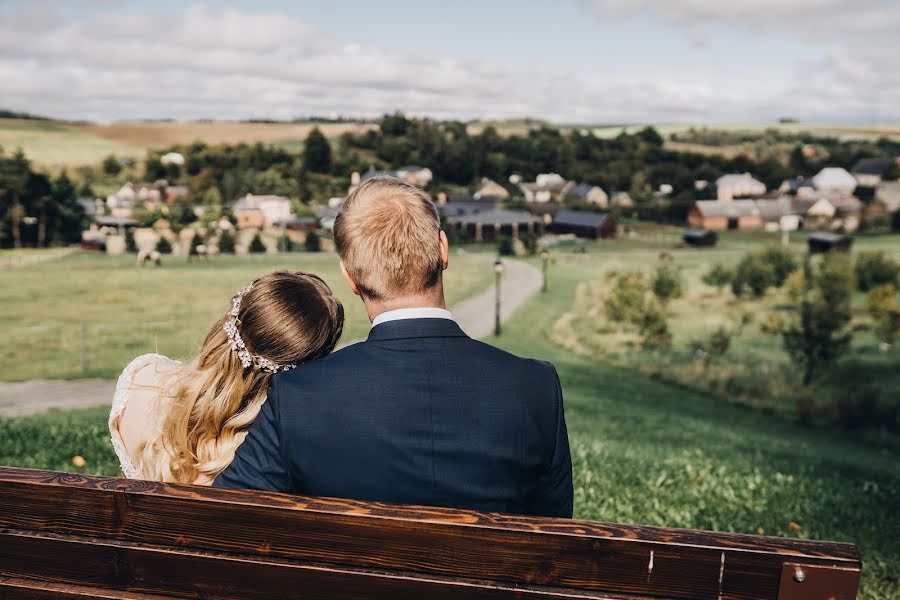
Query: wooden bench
[64, 535]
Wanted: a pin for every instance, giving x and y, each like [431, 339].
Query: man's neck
[431, 300]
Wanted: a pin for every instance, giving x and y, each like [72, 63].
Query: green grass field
[128, 310]
[644, 452]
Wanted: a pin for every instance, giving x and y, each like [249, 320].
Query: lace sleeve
[120, 400]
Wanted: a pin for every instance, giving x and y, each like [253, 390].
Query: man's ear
[445, 250]
[349, 279]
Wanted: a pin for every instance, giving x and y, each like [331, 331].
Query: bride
[182, 423]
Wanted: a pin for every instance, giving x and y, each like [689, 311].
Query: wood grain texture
[511, 551]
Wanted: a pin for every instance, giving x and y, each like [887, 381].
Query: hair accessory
[247, 359]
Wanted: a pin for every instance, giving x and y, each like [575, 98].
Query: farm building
[546, 187]
[870, 171]
[772, 211]
[738, 185]
[454, 209]
[497, 222]
[584, 224]
[821, 241]
[796, 184]
[725, 214]
[592, 194]
[491, 190]
[834, 179]
[700, 237]
[261, 211]
[621, 200]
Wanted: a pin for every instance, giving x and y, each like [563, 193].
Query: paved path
[475, 315]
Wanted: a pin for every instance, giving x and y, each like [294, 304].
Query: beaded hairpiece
[237, 344]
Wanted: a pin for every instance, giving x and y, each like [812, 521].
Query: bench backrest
[64, 535]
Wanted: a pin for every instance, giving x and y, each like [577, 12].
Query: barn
[584, 224]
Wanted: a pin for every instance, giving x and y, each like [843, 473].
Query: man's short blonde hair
[387, 235]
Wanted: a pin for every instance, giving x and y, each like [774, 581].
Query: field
[54, 144]
[644, 451]
[128, 310]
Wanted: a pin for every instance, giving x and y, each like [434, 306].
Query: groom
[419, 413]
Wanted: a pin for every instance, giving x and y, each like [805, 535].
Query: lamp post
[545, 256]
[498, 273]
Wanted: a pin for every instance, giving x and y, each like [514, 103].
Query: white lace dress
[124, 392]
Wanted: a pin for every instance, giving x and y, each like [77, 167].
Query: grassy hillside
[52, 144]
[644, 452]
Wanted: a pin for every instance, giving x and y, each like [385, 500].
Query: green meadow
[646, 449]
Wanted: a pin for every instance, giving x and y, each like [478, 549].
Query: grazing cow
[145, 256]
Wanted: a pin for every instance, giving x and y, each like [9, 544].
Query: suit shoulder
[339, 358]
[539, 369]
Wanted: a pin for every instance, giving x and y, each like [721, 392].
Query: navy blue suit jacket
[418, 414]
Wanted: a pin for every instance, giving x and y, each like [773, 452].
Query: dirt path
[475, 315]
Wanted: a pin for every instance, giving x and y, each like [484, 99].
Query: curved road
[476, 316]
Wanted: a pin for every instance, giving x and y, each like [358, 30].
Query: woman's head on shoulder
[278, 321]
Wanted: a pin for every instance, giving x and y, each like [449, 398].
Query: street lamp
[498, 273]
[545, 256]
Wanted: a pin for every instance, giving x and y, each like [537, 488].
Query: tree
[111, 165]
[667, 283]
[884, 312]
[627, 300]
[285, 244]
[654, 329]
[505, 246]
[226, 242]
[819, 336]
[130, 245]
[256, 245]
[313, 242]
[163, 246]
[14, 174]
[196, 242]
[718, 277]
[875, 269]
[317, 152]
[782, 262]
[753, 273]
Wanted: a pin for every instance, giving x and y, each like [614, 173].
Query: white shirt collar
[412, 313]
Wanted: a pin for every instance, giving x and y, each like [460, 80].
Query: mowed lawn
[129, 310]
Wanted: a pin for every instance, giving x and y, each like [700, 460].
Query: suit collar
[415, 328]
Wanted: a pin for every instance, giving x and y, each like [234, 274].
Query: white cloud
[214, 62]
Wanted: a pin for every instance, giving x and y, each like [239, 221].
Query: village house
[870, 171]
[546, 188]
[621, 200]
[796, 185]
[738, 185]
[261, 211]
[834, 179]
[773, 210]
[129, 195]
[172, 158]
[590, 194]
[412, 174]
[584, 224]
[497, 222]
[725, 214]
[491, 190]
[886, 201]
[824, 209]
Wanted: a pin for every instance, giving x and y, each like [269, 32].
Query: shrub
[313, 242]
[130, 245]
[819, 337]
[226, 243]
[627, 300]
[884, 312]
[505, 246]
[285, 244]
[782, 261]
[163, 246]
[753, 273]
[667, 283]
[654, 329]
[874, 269]
[718, 277]
[196, 241]
[256, 245]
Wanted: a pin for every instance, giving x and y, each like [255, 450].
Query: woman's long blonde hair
[286, 317]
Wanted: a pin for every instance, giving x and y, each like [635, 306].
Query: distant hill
[11, 114]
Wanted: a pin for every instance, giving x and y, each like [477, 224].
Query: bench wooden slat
[579, 556]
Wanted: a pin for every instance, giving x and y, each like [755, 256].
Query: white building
[738, 185]
[835, 179]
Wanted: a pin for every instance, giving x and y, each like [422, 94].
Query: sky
[568, 61]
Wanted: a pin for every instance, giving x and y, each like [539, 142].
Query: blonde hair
[286, 317]
[387, 236]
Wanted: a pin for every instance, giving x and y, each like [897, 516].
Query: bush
[627, 300]
[130, 245]
[884, 312]
[654, 329]
[313, 242]
[782, 261]
[256, 245]
[226, 243]
[285, 244]
[505, 246]
[196, 241]
[163, 246]
[874, 269]
[718, 277]
[753, 273]
[667, 282]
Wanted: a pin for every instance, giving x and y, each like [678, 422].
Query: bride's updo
[275, 323]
